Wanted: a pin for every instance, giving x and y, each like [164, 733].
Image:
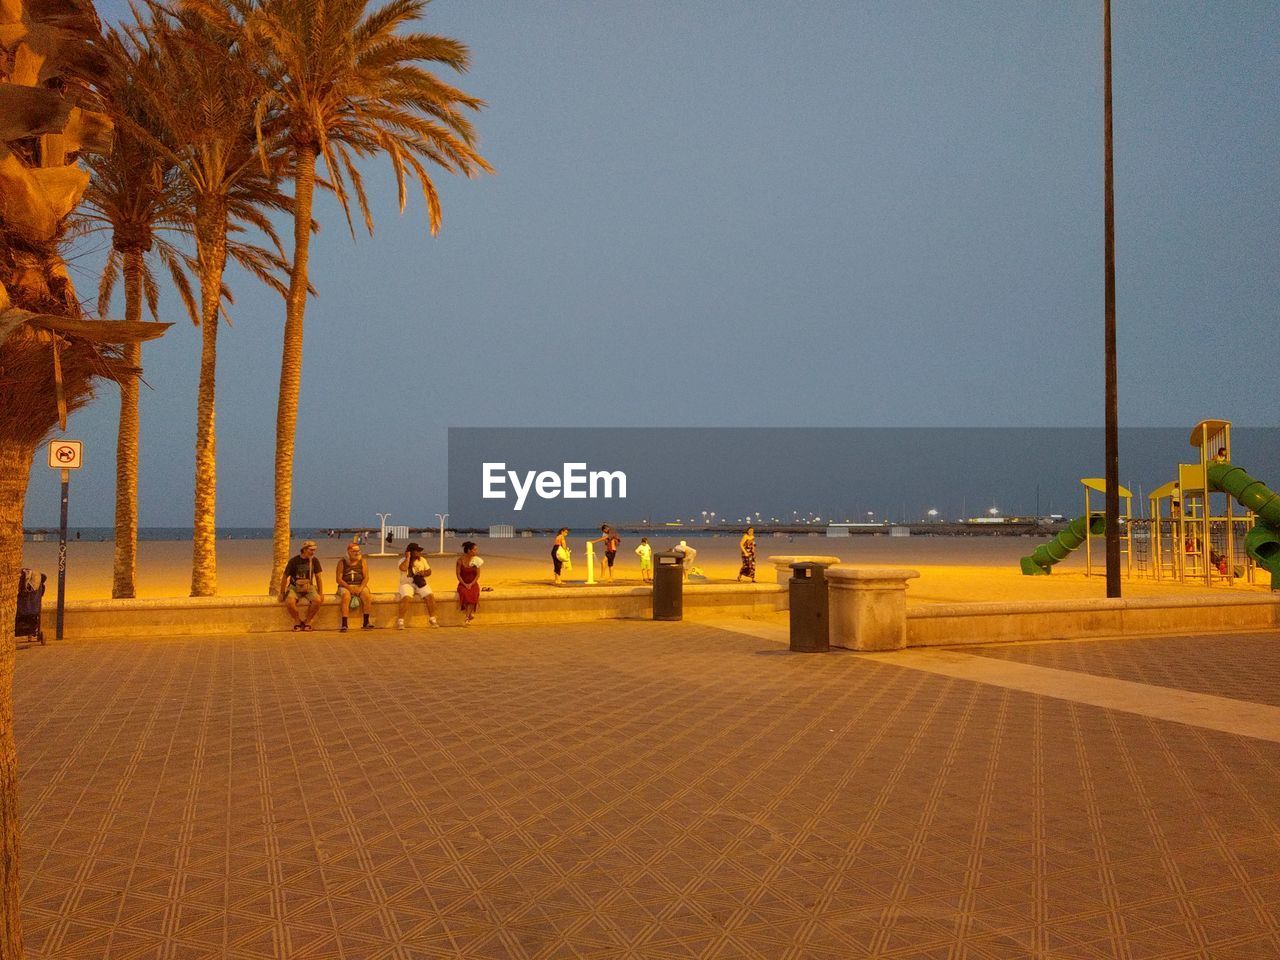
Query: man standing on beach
[301, 581]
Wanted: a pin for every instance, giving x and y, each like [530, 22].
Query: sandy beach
[952, 569]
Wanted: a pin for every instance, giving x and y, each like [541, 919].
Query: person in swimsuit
[610, 541]
[468, 570]
[353, 587]
[560, 552]
[747, 547]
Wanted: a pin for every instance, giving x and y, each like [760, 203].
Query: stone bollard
[867, 606]
[782, 565]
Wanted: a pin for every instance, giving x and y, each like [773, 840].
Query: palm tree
[204, 96]
[134, 192]
[50, 355]
[137, 193]
[345, 85]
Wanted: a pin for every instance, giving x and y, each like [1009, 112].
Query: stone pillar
[867, 606]
[782, 564]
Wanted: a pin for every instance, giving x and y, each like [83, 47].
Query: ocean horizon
[153, 534]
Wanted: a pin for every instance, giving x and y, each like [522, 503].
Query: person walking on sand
[353, 589]
[468, 570]
[645, 553]
[747, 547]
[301, 581]
[610, 541]
[560, 553]
[414, 571]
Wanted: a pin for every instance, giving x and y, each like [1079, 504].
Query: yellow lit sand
[952, 569]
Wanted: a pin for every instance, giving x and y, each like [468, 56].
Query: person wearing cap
[353, 589]
[301, 581]
[414, 571]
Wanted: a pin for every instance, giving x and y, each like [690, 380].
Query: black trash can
[808, 599]
[668, 586]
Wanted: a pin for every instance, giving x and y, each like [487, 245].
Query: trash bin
[808, 599]
[668, 586]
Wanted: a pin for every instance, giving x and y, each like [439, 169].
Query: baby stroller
[30, 593]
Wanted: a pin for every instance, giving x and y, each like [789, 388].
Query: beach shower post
[591, 562]
[442, 517]
[382, 537]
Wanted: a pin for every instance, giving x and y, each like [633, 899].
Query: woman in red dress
[468, 570]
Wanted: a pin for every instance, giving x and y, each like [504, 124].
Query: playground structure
[1084, 529]
[1192, 532]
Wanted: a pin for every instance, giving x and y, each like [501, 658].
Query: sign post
[64, 455]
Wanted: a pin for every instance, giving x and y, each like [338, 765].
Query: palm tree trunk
[124, 568]
[15, 466]
[291, 362]
[211, 239]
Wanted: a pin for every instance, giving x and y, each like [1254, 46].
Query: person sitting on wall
[354, 591]
[414, 571]
[301, 581]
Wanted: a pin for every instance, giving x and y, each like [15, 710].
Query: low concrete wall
[947, 624]
[205, 616]
[932, 625]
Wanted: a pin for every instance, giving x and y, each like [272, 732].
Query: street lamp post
[442, 517]
[1112, 442]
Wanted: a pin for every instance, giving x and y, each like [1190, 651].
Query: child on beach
[645, 553]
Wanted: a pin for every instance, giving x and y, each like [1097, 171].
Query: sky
[718, 213]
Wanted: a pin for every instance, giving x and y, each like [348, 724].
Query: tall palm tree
[50, 355]
[134, 192]
[345, 84]
[137, 193]
[204, 96]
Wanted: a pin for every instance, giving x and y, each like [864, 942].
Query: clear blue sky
[722, 213]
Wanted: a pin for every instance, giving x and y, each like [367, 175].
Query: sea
[107, 534]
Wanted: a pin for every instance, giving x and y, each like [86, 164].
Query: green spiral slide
[1263, 541]
[1046, 555]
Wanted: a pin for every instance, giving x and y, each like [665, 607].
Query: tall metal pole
[442, 517]
[1112, 472]
[62, 556]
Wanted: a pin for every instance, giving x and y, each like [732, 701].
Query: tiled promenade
[641, 790]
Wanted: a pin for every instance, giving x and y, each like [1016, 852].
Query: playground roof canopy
[1206, 429]
[1100, 484]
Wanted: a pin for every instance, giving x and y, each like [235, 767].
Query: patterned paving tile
[1240, 666]
[624, 790]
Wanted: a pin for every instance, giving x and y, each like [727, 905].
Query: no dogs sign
[65, 454]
